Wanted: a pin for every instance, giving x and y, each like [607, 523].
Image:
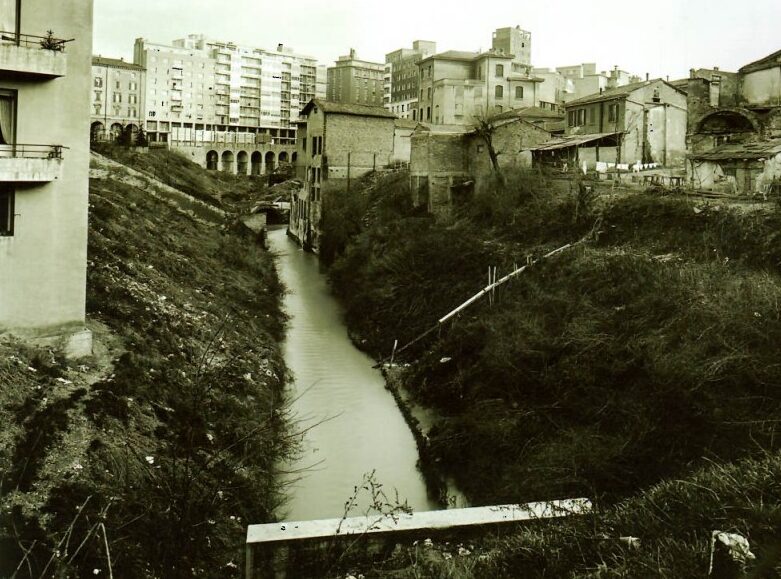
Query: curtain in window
[7, 136]
[8, 18]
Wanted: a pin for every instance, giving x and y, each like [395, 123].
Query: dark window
[6, 211]
[499, 70]
[98, 82]
[7, 117]
[519, 92]
[499, 91]
[612, 113]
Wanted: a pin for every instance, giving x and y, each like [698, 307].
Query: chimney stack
[692, 73]
[280, 47]
[647, 77]
[352, 53]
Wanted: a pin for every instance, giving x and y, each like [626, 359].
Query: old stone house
[44, 170]
[449, 161]
[735, 128]
[641, 122]
[336, 144]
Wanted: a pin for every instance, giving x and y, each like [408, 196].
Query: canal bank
[353, 434]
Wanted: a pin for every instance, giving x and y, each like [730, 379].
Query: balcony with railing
[23, 163]
[29, 55]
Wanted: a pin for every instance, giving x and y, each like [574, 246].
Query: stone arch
[257, 163]
[227, 161]
[97, 131]
[269, 161]
[283, 157]
[115, 131]
[728, 121]
[242, 163]
[212, 160]
[294, 157]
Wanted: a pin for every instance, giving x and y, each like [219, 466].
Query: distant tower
[514, 41]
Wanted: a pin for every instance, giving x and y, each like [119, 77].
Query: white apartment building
[200, 90]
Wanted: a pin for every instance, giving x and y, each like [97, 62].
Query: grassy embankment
[232, 193]
[161, 459]
[635, 358]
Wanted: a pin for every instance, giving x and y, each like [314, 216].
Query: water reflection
[359, 428]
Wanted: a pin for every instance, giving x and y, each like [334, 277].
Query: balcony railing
[32, 41]
[32, 55]
[30, 163]
[26, 151]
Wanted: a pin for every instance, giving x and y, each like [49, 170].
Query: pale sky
[664, 37]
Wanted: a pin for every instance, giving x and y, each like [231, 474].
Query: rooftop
[619, 92]
[348, 109]
[758, 150]
[769, 61]
[115, 63]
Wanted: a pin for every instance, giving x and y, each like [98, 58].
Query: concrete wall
[762, 87]
[402, 144]
[43, 265]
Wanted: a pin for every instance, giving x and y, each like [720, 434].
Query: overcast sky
[664, 37]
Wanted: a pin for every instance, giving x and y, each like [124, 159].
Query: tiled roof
[115, 62]
[758, 150]
[348, 109]
[618, 92]
[530, 113]
[573, 141]
[769, 61]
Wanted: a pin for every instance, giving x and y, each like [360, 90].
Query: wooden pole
[505, 279]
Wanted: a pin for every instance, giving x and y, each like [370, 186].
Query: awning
[573, 141]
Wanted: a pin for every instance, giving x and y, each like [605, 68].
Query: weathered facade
[355, 81]
[337, 144]
[735, 128]
[448, 162]
[402, 78]
[118, 89]
[44, 170]
[643, 122]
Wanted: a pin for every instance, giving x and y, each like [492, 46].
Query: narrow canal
[357, 427]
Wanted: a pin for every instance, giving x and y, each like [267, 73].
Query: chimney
[280, 47]
[352, 53]
[692, 73]
[647, 77]
[716, 68]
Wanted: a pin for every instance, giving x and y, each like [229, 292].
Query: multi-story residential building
[735, 128]
[456, 86]
[337, 144]
[118, 90]
[583, 80]
[355, 81]
[201, 90]
[402, 78]
[639, 123]
[44, 170]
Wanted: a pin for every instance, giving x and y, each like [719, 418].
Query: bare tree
[485, 127]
